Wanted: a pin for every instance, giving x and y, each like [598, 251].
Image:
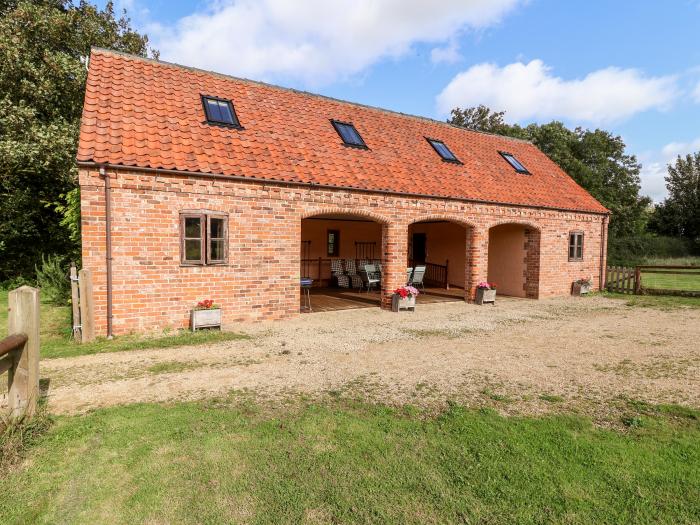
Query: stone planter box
[484, 295]
[580, 289]
[205, 318]
[398, 304]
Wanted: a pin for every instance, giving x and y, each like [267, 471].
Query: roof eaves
[252, 178]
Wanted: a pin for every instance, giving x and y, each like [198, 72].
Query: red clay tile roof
[149, 114]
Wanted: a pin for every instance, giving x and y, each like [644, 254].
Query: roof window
[220, 112]
[349, 134]
[443, 151]
[514, 162]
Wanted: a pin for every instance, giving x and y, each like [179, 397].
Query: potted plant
[404, 298]
[486, 293]
[582, 286]
[206, 315]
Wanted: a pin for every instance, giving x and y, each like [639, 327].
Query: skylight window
[443, 151]
[219, 111]
[349, 134]
[514, 162]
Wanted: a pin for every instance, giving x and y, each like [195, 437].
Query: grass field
[661, 281]
[662, 302]
[232, 462]
[56, 335]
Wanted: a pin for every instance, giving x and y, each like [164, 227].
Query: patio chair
[351, 272]
[369, 276]
[416, 279]
[338, 273]
[409, 274]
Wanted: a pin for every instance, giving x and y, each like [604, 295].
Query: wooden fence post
[75, 302]
[23, 377]
[87, 311]
[637, 280]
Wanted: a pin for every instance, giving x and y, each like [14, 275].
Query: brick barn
[196, 185]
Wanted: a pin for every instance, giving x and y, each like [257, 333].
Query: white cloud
[654, 166]
[531, 91]
[448, 54]
[315, 40]
[673, 149]
[652, 180]
[696, 93]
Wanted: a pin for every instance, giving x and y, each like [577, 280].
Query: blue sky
[632, 67]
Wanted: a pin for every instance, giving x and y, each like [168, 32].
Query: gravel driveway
[520, 356]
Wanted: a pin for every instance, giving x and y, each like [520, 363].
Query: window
[203, 238]
[514, 162]
[349, 134]
[576, 246]
[220, 111]
[443, 151]
[333, 243]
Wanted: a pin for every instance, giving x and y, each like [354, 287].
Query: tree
[679, 214]
[481, 118]
[594, 159]
[44, 45]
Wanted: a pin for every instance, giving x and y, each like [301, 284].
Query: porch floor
[330, 299]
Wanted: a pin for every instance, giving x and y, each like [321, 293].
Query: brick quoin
[153, 291]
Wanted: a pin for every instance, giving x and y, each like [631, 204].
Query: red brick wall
[152, 291]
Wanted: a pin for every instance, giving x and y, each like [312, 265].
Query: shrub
[53, 279]
[16, 282]
[630, 251]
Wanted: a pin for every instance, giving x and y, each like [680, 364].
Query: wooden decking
[330, 299]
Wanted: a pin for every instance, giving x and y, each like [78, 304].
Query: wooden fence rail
[19, 352]
[647, 279]
[669, 280]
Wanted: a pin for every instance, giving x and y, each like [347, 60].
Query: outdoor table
[305, 284]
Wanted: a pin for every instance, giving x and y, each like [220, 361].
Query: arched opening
[514, 260]
[336, 252]
[440, 248]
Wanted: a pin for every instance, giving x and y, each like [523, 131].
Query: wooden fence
[19, 352]
[622, 280]
[669, 280]
[654, 280]
[82, 305]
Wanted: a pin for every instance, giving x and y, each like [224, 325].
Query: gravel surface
[520, 356]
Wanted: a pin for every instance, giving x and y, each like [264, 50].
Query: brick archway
[448, 242]
[514, 258]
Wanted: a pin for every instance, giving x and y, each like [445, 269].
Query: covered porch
[326, 299]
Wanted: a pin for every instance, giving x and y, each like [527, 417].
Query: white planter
[484, 295]
[206, 319]
[398, 304]
[580, 289]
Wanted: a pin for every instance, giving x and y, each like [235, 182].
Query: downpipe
[108, 247]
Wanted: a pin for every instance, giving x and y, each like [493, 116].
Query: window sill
[202, 265]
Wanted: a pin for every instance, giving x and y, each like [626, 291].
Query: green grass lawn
[56, 338]
[231, 462]
[662, 302]
[662, 281]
